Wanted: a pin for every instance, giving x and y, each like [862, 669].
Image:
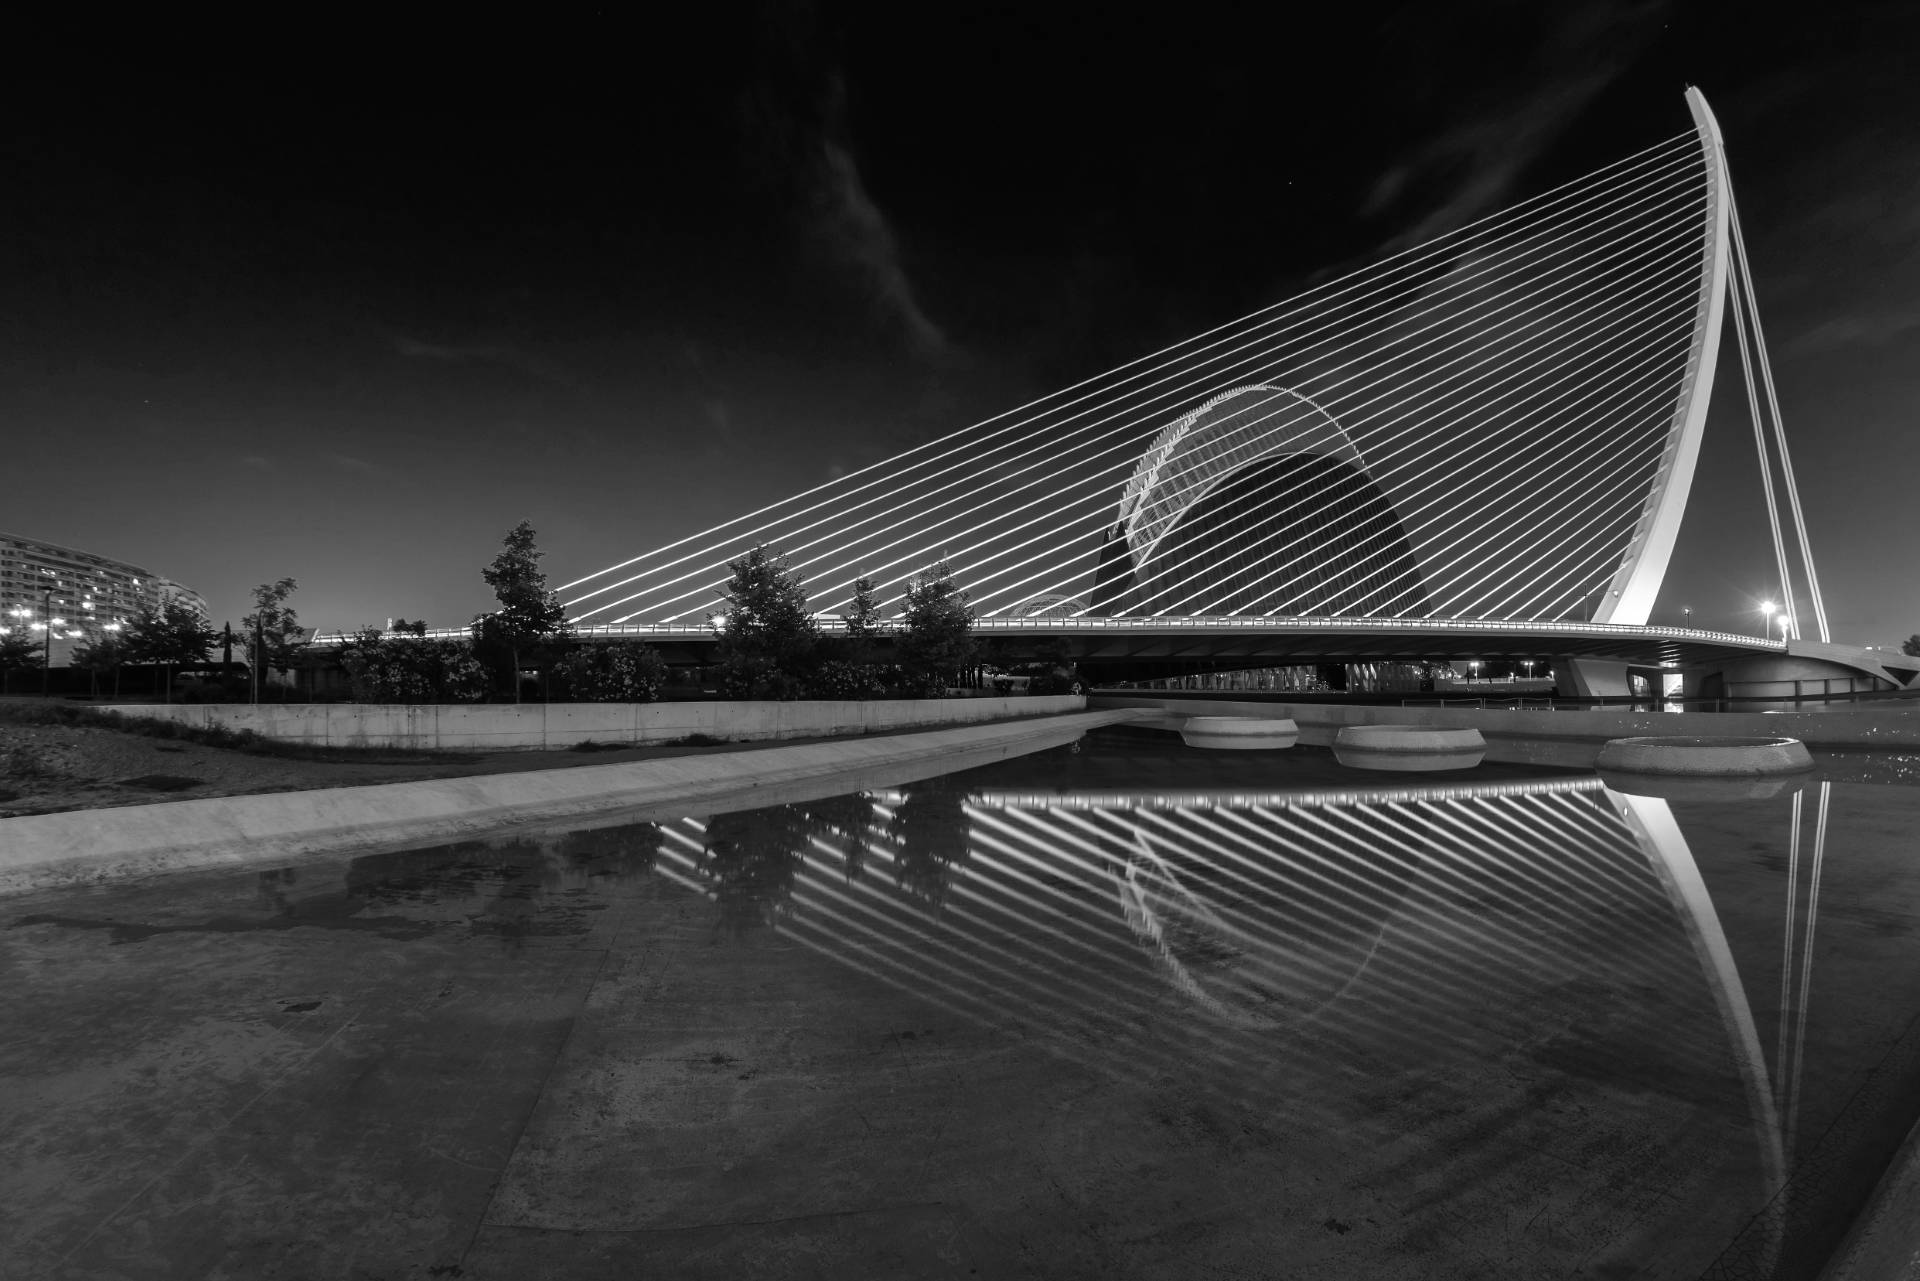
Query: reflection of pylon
[1789, 1059]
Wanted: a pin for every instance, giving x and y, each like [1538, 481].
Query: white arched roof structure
[1194, 454]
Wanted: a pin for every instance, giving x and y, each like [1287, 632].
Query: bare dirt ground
[47, 768]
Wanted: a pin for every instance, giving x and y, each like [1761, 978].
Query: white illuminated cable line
[1596, 861]
[1272, 953]
[682, 561]
[1411, 257]
[765, 530]
[1760, 448]
[1559, 900]
[1544, 429]
[1383, 473]
[1047, 452]
[1440, 565]
[1781, 1068]
[1438, 247]
[1310, 834]
[1383, 456]
[1026, 587]
[1261, 946]
[1407, 400]
[1806, 957]
[1427, 888]
[1581, 820]
[1625, 479]
[1779, 425]
[1374, 446]
[1001, 588]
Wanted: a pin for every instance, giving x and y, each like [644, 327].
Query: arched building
[1257, 502]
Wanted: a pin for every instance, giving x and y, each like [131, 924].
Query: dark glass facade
[1296, 534]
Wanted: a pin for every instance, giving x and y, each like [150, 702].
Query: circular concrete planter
[1701, 787]
[1408, 747]
[1240, 733]
[1699, 755]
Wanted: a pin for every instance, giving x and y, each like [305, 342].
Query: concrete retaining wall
[83, 846]
[1566, 738]
[498, 726]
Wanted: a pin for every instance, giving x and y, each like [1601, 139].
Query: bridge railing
[1085, 624]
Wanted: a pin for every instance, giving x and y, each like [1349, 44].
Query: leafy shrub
[408, 669]
[837, 678]
[613, 673]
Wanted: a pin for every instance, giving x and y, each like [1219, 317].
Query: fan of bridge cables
[1468, 428]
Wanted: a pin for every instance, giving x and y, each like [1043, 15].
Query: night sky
[351, 323]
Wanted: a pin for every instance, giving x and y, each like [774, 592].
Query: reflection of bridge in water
[1516, 955]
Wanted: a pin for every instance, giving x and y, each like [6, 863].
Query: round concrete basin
[1240, 733]
[1700, 787]
[1702, 755]
[1408, 747]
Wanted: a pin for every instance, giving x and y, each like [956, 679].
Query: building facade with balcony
[45, 584]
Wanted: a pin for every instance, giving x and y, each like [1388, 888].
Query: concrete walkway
[83, 846]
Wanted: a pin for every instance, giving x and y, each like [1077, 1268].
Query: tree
[865, 612]
[19, 652]
[768, 641]
[530, 618]
[273, 633]
[102, 653]
[936, 636]
[169, 636]
[402, 627]
[1911, 646]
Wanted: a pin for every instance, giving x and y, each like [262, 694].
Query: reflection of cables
[1146, 925]
[1806, 954]
[1781, 1068]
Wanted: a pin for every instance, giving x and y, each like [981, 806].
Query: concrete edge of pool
[1884, 1242]
[78, 847]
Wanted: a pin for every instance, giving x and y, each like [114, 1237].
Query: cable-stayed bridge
[1498, 427]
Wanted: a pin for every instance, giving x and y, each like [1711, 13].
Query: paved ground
[47, 769]
[597, 1056]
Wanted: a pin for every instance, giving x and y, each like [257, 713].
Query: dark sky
[351, 323]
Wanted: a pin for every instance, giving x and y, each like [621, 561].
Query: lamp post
[46, 661]
[1767, 607]
[1686, 616]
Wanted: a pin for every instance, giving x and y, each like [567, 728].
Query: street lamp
[1686, 615]
[46, 661]
[1767, 607]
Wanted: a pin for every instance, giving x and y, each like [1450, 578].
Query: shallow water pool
[1122, 1008]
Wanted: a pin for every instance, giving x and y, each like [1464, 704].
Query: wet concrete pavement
[957, 1032]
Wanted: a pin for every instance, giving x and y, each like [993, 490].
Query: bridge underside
[1143, 648]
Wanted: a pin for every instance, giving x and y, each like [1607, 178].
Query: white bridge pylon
[1506, 421]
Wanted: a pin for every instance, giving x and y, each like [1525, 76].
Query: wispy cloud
[801, 145]
[1858, 330]
[518, 358]
[360, 466]
[852, 226]
[1487, 153]
[257, 462]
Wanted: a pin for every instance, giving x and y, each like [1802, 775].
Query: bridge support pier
[1591, 678]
